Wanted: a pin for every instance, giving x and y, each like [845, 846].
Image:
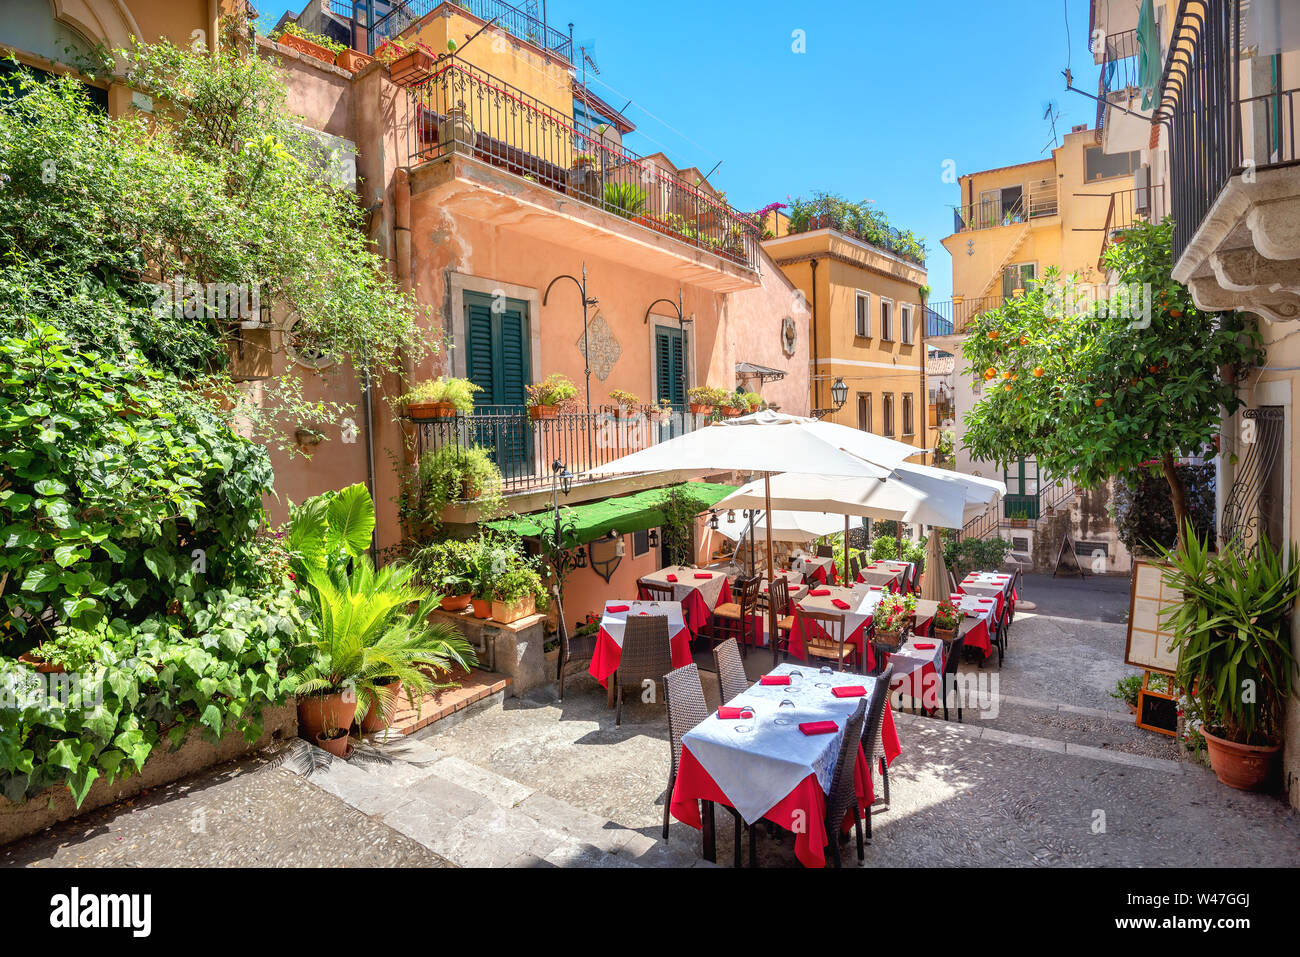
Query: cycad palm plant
[374, 627]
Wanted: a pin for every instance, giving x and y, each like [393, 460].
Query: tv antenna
[1052, 113]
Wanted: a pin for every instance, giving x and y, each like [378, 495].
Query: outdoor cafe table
[698, 594]
[919, 657]
[886, 574]
[609, 639]
[985, 610]
[774, 771]
[813, 568]
[862, 601]
[989, 585]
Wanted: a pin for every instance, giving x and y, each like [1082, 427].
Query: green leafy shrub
[882, 548]
[451, 567]
[974, 554]
[625, 199]
[449, 474]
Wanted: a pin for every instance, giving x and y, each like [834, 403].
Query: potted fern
[440, 398]
[1232, 635]
[546, 397]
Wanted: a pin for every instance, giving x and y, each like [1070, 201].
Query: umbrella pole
[846, 552]
[771, 605]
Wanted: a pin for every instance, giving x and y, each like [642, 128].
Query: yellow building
[866, 329]
[1013, 224]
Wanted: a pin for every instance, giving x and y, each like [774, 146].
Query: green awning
[628, 513]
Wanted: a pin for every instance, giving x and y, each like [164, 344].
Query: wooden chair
[686, 709]
[855, 569]
[825, 551]
[579, 651]
[731, 672]
[827, 642]
[646, 656]
[843, 797]
[778, 594]
[952, 583]
[871, 735]
[654, 591]
[950, 662]
[738, 619]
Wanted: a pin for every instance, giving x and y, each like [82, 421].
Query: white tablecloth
[976, 607]
[614, 622]
[807, 565]
[710, 588]
[909, 658]
[862, 600]
[986, 584]
[758, 769]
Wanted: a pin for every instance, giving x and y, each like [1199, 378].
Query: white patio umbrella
[786, 526]
[769, 442]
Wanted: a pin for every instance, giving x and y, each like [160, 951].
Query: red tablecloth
[797, 638]
[609, 653]
[805, 805]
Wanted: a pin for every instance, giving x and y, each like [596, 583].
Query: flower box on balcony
[353, 60]
[411, 68]
[429, 411]
[698, 408]
[538, 412]
[303, 45]
[730, 412]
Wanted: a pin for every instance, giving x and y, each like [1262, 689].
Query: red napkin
[924, 646]
[617, 608]
[704, 575]
[672, 578]
[840, 603]
[849, 691]
[774, 680]
[727, 712]
[819, 727]
[819, 592]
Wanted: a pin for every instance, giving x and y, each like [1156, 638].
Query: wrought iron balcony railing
[461, 109]
[392, 18]
[1127, 208]
[1218, 129]
[958, 314]
[1119, 70]
[1040, 199]
[524, 449]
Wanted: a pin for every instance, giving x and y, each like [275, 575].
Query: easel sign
[1067, 560]
[1148, 646]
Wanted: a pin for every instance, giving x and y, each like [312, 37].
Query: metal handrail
[893, 240]
[1038, 201]
[516, 22]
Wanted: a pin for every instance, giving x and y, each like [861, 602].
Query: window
[864, 411]
[887, 409]
[905, 320]
[863, 327]
[907, 413]
[1098, 165]
[1017, 277]
[640, 543]
[887, 320]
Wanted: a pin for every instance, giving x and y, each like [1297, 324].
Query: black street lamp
[840, 393]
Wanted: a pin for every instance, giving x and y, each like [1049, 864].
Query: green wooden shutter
[498, 360]
[669, 363]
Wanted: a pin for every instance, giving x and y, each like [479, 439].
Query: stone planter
[507, 612]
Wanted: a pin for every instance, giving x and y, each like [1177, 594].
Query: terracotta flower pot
[730, 411]
[456, 602]
[425, 411]
[506, 612]
[38, 664]
[353, 60]
[1243, 766]
[339, 745]
[382, 709]
[482, 607]
[536, 412]
[411, 67]
[700, 409]
[318, 712]
[303, 45]
[945, 634]
[889, 638]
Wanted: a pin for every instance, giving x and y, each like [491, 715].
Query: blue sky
[886, 92]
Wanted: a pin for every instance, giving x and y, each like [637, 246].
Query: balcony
[1128, 207]
[524, 449]
[459, 110]
[953, 317]
[1039, 201]
[391, 20]
[899, 242]
[1234, 166]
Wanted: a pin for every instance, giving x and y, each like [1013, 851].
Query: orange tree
[1090, 385]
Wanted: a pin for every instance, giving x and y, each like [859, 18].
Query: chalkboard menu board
[1157, 712]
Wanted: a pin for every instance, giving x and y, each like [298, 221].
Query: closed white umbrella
[769, 442]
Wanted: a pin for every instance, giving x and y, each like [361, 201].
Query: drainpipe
[816, 364]
[402, 248]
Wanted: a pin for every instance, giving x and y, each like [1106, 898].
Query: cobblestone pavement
[1054, 774]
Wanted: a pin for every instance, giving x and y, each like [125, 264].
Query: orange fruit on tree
[994, 334]
[1038, 372]
[1099, 403]
[990, 373]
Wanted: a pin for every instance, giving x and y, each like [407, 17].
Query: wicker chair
[686, 709]
[843, 797]
[573, 651]
[654, 591]
[871, 736]
[646, 656]
[829, 644]
[731, 672]
[739, 619]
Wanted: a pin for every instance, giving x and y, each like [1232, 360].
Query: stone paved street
[1055, 775]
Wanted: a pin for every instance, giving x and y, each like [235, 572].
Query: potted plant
[701, 399]
[449, 568]
[625, 199]
[1232, 635]
[752, 400]
[584, 178]
[1126, 690]
[662, 411]
[546, 397]
[409, 62]
[734, 403]
[1019, 516]
[946, 620]
[352, 60]
[518, 593]
[440, 398]
[312, 44]
[891, 617]
[625, 403]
